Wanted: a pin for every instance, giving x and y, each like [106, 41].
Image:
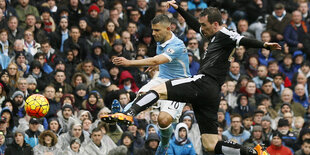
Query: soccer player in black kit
[203, 90]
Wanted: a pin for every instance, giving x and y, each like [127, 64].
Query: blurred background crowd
[63, 50]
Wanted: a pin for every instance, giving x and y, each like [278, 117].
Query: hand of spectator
[272, 46]
[121, 61]
[300, 45]
[152, 69]
[279, 36]
[24, 67]
[129, 46]
[173, 4]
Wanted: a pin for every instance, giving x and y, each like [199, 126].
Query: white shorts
[171, 107]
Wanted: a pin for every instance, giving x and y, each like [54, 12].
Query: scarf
[235, 77]
[279, 18]
[303, 25]
[91, 108]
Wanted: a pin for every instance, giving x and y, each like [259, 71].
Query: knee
[208, 143]
[164, 120]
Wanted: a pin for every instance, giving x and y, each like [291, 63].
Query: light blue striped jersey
[175, 50]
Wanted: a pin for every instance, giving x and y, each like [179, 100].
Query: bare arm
[153, 61]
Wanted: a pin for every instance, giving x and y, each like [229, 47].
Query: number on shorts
[175, 105]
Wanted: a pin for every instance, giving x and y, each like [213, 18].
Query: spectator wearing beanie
[98, 56]
[150, 147]
[289, 138]
[92, 18]
[102, 83]
[267, 127]
[256, 137]
[64, 116]
[127, 139]
[80, 95]
[277, 147]
[19, 146]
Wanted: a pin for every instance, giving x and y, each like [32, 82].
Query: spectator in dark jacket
[19, 146]
[150, 145]
[295, 33]
[243, 106]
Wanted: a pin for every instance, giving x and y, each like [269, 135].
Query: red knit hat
[93, 7]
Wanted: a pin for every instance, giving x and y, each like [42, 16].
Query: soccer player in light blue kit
[172, 58]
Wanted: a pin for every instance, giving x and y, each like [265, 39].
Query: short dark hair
[214, 15]
[96, 130]
[306, 141]
[161, 19]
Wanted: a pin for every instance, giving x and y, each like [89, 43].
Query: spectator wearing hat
[193, 130]
[54, 125]
[18, 102]
[98, 56]
[267, 128]
[287, 66]
[236, 132]
[256, 138]
[289, 138]
[64, 116]
[96, 36]
[47, 143]
[92, 17]
[150, 145]
[37, 75]
[277, 147]
[32, 134]
[193, 64]
[298, 58]
[75, 147]
[80, 95]
[103, 83]
[128, 140]
[19, 146]
[92, 104]
[180, 143]
[277, 22]
[20, 59]
[75, 131]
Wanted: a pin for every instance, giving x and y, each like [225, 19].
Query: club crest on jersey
[170, 50]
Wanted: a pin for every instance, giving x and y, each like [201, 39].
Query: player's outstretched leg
[139, 104]
[166, 130]
[211, 144]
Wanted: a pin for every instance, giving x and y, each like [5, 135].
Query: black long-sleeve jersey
[215, 61]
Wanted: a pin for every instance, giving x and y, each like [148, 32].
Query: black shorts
[204, 94]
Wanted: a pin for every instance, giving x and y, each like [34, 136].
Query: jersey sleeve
[232, 37]
[172, 52]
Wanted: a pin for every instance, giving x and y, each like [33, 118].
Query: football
[37, 106]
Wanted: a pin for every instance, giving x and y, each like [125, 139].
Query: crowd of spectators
[63, 50]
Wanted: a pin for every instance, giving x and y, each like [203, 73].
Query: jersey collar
[168, 41]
